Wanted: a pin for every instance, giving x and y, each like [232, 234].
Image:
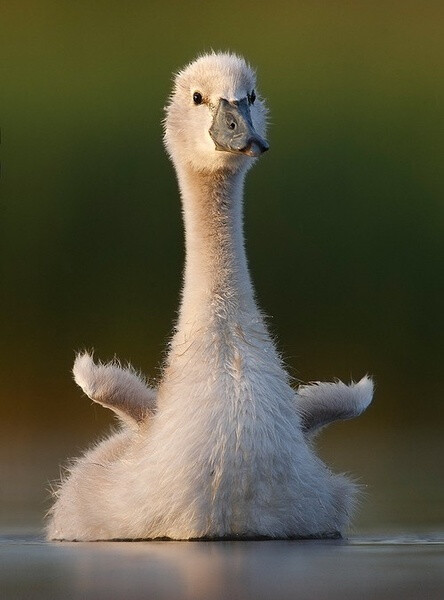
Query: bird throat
[216, 277]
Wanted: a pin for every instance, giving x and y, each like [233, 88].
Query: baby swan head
[215, 119]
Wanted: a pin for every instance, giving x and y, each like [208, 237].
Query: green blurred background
[344, 221]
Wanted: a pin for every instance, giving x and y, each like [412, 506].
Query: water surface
[373, 567]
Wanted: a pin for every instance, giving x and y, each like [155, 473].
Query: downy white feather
[222, 447]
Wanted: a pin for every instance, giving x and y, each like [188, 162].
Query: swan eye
[251, 97]
[197, 98]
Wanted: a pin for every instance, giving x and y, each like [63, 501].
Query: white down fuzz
[222, 447]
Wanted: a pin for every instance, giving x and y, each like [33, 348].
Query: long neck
[217, 281]
[221, 340]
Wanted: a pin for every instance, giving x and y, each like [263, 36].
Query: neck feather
[216, 278]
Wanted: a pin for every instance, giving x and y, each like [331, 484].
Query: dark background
[344, 221]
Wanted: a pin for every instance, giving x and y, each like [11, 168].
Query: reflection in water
[376, 568]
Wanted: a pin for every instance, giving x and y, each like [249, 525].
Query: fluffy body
[222, 447]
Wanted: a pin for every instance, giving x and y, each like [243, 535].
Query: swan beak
[232, 129]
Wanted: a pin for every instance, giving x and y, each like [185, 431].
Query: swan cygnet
[222, 448]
